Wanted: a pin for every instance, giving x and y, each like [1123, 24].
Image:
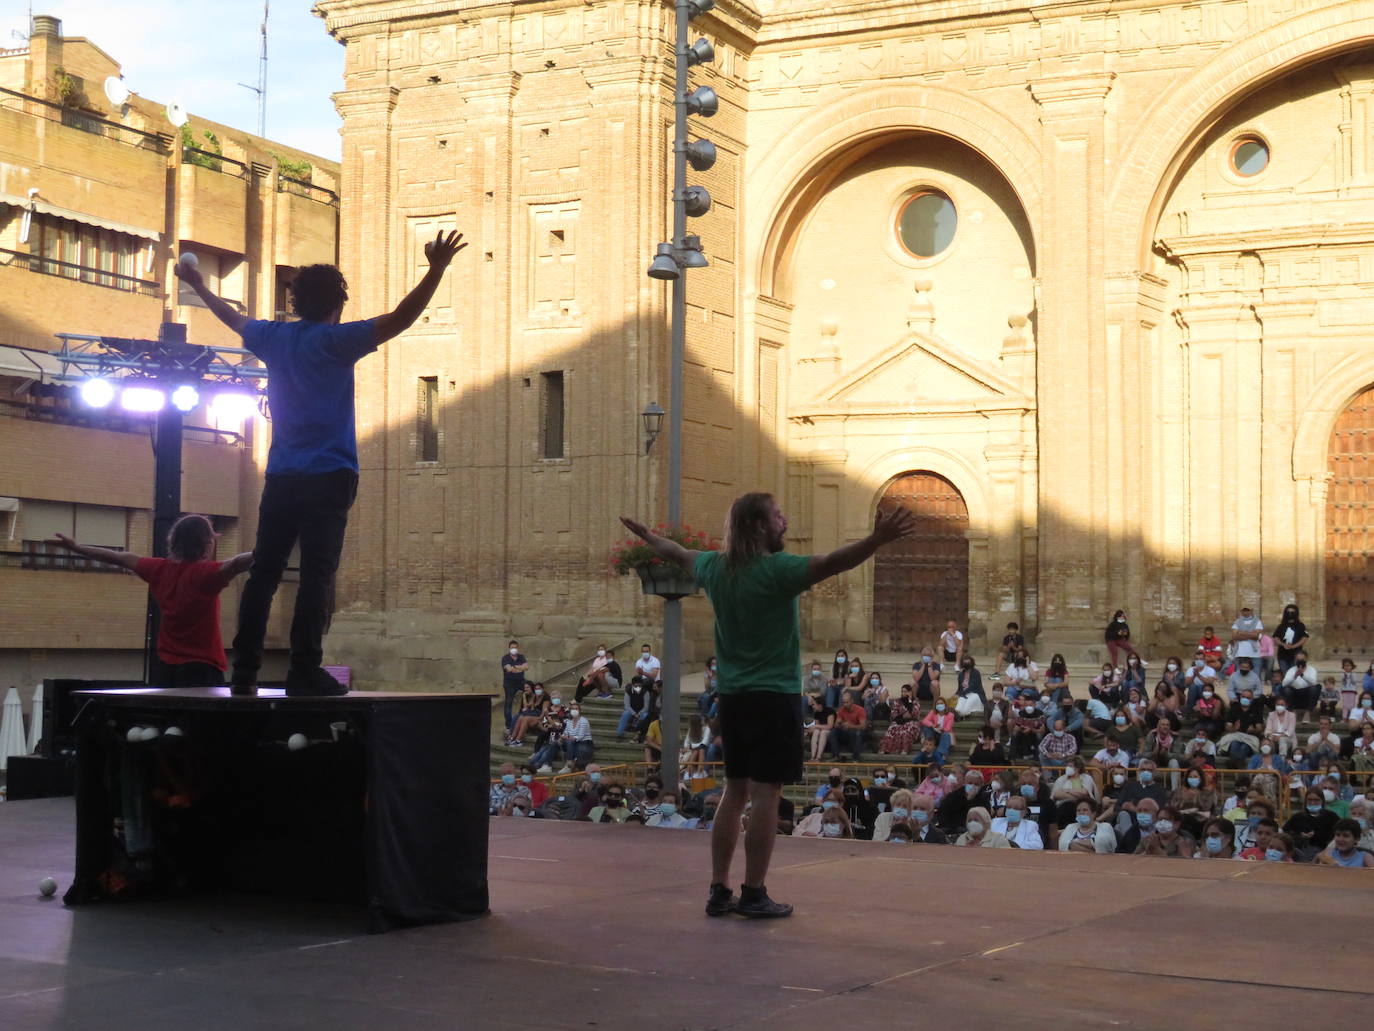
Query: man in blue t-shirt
[753, 586]
[312, 466]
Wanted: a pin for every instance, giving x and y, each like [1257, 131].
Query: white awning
[44, 208]
[28, 363]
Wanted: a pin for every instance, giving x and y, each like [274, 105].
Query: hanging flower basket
[664, 579]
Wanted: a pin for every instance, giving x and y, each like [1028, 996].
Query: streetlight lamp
[671, 262]
[653, 423]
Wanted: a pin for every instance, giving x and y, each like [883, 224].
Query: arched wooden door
[1350, 530]
[921, 582]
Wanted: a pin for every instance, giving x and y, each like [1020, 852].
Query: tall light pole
[671, 262]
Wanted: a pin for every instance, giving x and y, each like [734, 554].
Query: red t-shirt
[187, 593]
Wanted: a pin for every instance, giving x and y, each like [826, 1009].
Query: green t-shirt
[758, 637]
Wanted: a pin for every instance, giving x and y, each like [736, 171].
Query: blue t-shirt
[310, 390]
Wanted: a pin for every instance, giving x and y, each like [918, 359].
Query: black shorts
[761, 735]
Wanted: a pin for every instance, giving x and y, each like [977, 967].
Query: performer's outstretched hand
[442, 248]
[638, 529]
[893, 524]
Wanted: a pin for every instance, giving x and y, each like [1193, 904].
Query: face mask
[1194, 782]
[832, 830]
[834, 782]
[1328, 794]
[595, 778]
[968, 665]
[711, 667]
[951, 780]
[1273, 855]
[651, 792]
[996, 785]
[1145, 776]
[920, 815]
[1206, 694]
[1165, 826]
[879, 781]
[829, 804]
[508, 779]
[1013, 816]
[815, 671]
[1253, 820]
[519, 811]
[853, 669]
[1069, 771]
[1245, 703]
[841, 657]
[515, 651]
[1083, 819]
[1266, 749]
[600, 652]
[614, 803]
[1172, 667]
[1119, 779]
[939, 708]
[1213, 843]
[1314, 809]
[1058, 731]
[1121, 721]
[1027, 791]
[667, 809]
[1144, 819]
[1297, 757]
[975, 827]
[558, 701]
[1106, 671]
[526, 778]
[873, 681]
[645, 654]
[574, 713]
[925, 658]
[1280, 708]
[1364, 824]
[1197, 662]
[970, 789]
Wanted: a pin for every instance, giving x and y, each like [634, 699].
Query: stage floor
[602, 927]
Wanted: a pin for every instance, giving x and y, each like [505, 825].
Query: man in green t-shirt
[753, 586]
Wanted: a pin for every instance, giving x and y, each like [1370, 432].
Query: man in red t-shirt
[186, 587]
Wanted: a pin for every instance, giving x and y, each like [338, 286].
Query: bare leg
[762, 832]
[725, 829]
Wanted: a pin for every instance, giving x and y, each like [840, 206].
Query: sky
[197, 52]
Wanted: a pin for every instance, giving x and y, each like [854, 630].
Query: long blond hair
[746, 529]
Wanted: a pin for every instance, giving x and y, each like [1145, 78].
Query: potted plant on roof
[658, 576]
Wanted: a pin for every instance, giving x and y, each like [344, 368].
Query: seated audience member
[999, 789]
[1361, 812]
[710, 689]
[602, 677]
[1362, 749]
[1257, 810]
[533, 705]
[520, 805]
[835, 824]
[1218, 840]
[587, 796]
[939, 724]
[1112, 754]
[1133, 828]
[1267, 771]
[953, 809]
[1281, 728]
[902, 833]
[1197, 678]
[507, 788]
[667, 815]
[860, 812]
[1244, 679]
[653, 741]
[1260, 836]
[933, 784]
[969, 699]
[1210, 713]
[1027, 727]
[1039, 805]
[876, 703]
[834, 781]
[612, 808]
[1074, 785]
[1325, 743]
[1106, 687]
[980, 833]
[1362, 713]
[880, 791]
[1057, 747]
[1301, 685]
[1313, 826]
[925, 676]
[694, 746]
[1086, 833]
[987, 751]
[851, 727]
[1195, 802]
[819, 721]
[578, 746]
[1162, 746]
[899, 813]
[1334, 792]
[810, 825]
[1280, 849]
[903, 726]
[1147, 784]
[1168, 839]
[1017, 826]
[539, 791]
[1098, 720]
[640, 708]
[923, 819]
[1344, 849]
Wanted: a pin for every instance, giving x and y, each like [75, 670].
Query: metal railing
[301, 188]
[584, 662]
[81, 273]
[66, 562]
[214, 161]
[84, 121]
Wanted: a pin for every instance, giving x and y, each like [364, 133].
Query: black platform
[385, 805]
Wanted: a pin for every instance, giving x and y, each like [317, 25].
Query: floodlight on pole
[703, 101]
[701, 155]
[97, 393]
[701, 52]
[664, 265]
[696, 7]
[691, 255]
[185, 398]
[696, 201]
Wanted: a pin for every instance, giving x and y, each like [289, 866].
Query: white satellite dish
[115, 91]
[176, 114]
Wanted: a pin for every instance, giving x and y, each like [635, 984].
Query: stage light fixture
[691, 255]
[697, 7]
[700, 52]
[233, 406]
[142, 399]
[185, 398]
[702, 101]
[701, 154]
[97, 393]
[697, 201]
[664, 265]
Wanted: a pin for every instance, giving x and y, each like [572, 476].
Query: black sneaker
[721, 902]
[313, 684]
[754, 902]
[243, 686]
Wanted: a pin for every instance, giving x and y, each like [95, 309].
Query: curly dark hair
[317, 290]
[191, 538]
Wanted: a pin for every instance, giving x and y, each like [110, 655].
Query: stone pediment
[922, 367]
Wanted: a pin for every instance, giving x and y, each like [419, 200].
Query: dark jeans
[311, 510]
[509, 706]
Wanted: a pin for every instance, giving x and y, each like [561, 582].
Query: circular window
[1249, 156]
[926, 223]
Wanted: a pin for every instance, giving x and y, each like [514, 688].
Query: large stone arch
[882, 469]
[1163, 141]
[1328, 398]
[834, 134]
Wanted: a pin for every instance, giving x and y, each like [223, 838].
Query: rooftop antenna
[24, 35]
[261, 88]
